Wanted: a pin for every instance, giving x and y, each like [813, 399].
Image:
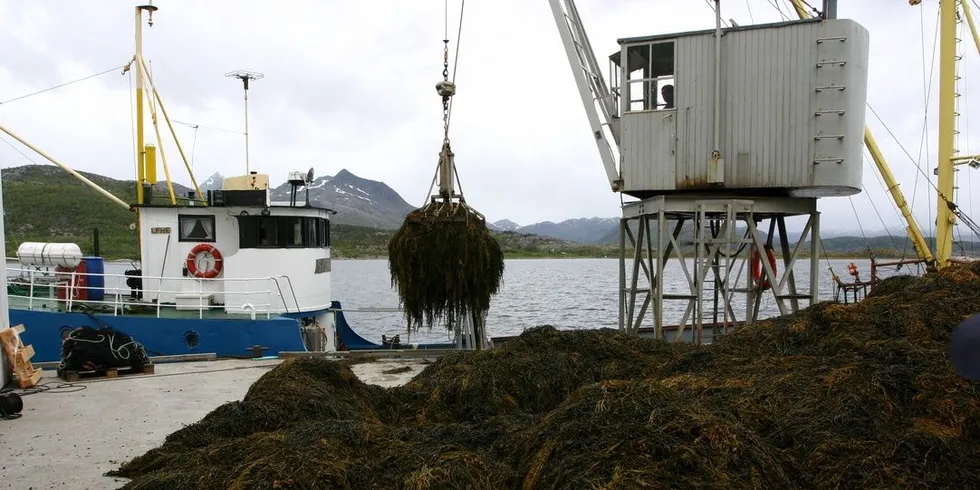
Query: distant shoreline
[13, 260]
[833, 256]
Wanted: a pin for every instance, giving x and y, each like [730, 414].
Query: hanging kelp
[444, 262]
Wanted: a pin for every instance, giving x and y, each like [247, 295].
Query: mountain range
[601, 231]
[371, 203]
[372, 207]
[358, 201]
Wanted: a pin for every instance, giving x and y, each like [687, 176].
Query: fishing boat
[228, 272]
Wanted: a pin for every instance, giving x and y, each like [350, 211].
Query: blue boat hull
[348, 339]
[164, 336]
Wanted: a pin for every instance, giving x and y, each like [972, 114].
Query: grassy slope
[44, 203]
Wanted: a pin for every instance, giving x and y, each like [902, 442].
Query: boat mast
[140, 147]
[945, 217]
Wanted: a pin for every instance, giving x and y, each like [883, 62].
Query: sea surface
[566, 293]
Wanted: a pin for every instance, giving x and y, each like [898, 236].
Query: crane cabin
[761, 110]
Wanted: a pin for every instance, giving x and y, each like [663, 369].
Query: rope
[65, 84]
[899, 143]
[459, 34]
[712, 7]
[447, 89]
[860, 226]
[200, 126]
[779, 9]
[49, 388]
[926, 94]
[812, 8]
[882, 220]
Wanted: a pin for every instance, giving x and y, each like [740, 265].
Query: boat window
[324, 235]
[292, 230]
[195, 228]
[283, 231]
[311, 231]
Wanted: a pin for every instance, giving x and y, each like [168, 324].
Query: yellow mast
[139, 109]
[912, 228]
[140, 145]
[945, 218]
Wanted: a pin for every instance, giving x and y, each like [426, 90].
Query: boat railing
[291, 290]
[72, 291]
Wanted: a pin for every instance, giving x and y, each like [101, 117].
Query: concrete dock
[68, 438]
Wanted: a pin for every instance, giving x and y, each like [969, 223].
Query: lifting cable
[447, 89]
[448, 86]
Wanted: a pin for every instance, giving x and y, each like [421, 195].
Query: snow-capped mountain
[358, 201]
[504, 225]
[213, 182]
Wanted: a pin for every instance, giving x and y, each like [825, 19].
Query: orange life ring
[757, 268]
[192, 261]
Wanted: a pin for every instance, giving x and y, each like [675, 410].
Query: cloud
[351, 85]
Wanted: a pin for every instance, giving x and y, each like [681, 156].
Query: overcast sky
[351, 85]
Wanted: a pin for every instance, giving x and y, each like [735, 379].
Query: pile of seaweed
[836, 396]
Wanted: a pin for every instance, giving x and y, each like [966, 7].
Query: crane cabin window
[648, 73]
[195, 228]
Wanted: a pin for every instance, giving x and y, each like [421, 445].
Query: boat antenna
[245, 76]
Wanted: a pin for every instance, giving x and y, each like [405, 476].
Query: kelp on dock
[852, 396]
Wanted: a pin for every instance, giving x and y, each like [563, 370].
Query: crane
[591, 86]
[601, 109]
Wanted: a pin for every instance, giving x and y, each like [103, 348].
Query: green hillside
[45, 203]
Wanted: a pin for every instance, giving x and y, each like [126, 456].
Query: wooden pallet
[19, 357]
[114, 372]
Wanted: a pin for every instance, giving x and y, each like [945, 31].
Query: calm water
[566, 293]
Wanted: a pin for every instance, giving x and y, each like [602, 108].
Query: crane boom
[600, 104]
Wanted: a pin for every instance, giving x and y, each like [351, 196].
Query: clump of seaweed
[835, 396]
[445, 264]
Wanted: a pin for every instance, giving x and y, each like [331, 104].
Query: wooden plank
[207, 356]
[26, 353]
[19, 357]
[113, 372]
[29, 379]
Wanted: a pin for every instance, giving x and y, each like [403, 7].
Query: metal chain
[445, 98]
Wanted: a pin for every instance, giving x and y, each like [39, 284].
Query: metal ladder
[828, 139]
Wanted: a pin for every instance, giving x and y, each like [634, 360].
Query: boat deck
[128, 308]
